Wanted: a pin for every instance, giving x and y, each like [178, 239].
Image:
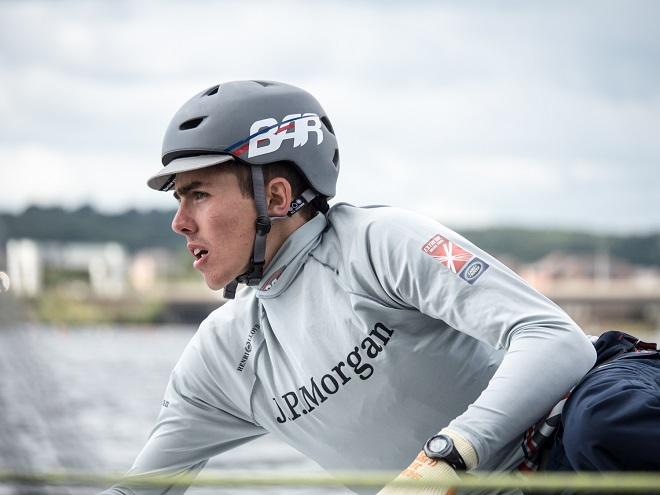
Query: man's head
[270, 142]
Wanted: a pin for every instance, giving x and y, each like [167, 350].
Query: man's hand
[428, 470]
[424, 470]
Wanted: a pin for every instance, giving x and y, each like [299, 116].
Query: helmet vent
[335, 158]
[212, 90]
[265, 84]
[327, 123]
[191, 124]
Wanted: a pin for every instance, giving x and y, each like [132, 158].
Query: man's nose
[182, 223]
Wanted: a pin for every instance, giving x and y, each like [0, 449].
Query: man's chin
[220, 281]
[215, 284]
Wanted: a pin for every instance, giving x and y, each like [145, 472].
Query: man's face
[217, 222]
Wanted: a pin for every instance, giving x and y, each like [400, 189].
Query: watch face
[439, 444]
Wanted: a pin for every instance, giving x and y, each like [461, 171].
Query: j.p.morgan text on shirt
[307, 397]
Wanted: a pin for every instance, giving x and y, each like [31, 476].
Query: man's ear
[278, 197]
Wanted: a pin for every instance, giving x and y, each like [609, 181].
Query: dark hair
[284, 169]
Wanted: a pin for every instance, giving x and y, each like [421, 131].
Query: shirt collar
[288, 260]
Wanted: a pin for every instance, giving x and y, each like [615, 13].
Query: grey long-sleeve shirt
[372, 330]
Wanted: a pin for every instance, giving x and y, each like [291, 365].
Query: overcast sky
[542, 114]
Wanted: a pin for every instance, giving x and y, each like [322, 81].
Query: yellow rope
[626, 482]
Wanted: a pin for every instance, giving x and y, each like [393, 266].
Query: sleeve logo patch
[446, 252]
[473, 270]
[455, 258]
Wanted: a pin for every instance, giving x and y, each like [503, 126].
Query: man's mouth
[199, 253]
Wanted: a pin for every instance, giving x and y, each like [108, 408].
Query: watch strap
[449, 455]
[464, 448]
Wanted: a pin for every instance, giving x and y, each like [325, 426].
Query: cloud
[485, 113]
[47, 177]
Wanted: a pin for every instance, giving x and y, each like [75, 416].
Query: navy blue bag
[611, 422]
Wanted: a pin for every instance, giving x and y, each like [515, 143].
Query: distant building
[149, 266]
[105, 265]
[597, 289]
[24, 266]
[558, 266]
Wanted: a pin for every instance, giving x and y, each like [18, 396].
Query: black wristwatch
[442, 447]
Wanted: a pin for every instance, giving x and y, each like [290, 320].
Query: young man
[367, 338]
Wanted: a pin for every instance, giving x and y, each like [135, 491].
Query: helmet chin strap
[263, 223]
[256, 269]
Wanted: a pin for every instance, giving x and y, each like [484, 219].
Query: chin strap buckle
[230, 290]
[263, 225]
[253, 275]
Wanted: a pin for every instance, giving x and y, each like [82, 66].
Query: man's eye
[199, 195]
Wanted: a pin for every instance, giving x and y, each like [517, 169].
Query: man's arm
[187, 433]
[197, 421]
[421, 264]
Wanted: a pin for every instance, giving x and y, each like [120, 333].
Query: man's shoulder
[375, 238]
[346, 215]
[377, 223]
[346, 212]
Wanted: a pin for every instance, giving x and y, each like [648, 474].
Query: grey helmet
[255, 122]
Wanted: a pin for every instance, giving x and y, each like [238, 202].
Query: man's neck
[280, 231]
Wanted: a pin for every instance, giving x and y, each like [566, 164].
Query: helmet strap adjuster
[309, 196]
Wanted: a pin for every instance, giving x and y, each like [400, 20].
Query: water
[87, 398]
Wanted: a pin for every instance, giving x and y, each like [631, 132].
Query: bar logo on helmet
[267, 135]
